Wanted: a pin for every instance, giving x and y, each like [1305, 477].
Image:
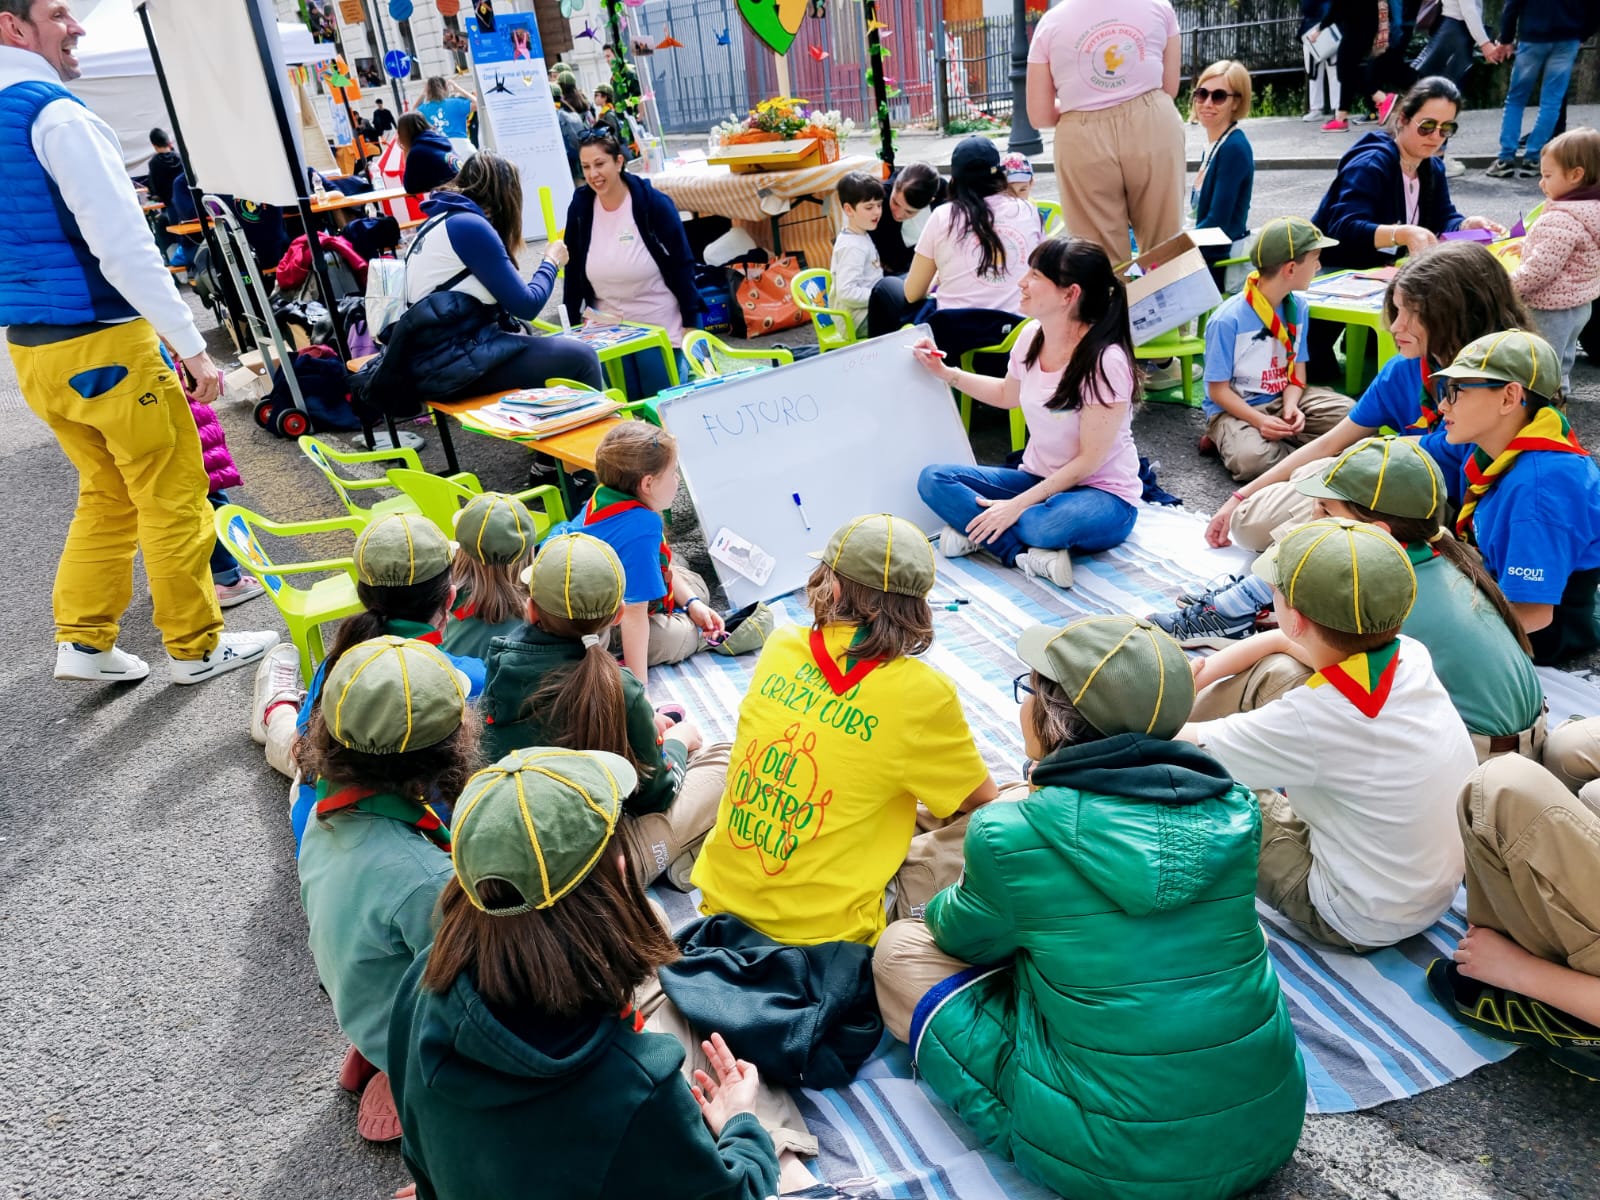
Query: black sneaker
[1513, 1017]
[1527, 169]
[1200, 625]
[1504, 168]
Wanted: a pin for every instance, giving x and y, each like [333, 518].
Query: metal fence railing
[974, 70]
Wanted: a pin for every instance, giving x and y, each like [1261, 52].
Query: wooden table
[338, 200]
[1357, 316]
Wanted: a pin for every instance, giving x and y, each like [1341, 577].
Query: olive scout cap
[1342, 574]
[401, 549]
[392, 694]
[1284, 239]
[1123, 674]
[537, 821]
[884, 552]
[1394, 476]
[495, 528]
[1514, 356]
[577, 577]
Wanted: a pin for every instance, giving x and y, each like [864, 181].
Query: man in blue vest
[86, 302]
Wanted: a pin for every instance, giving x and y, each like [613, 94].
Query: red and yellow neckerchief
[1363, 679]
[609, 502]
[1548, 431]
[840, 681]
[1286, 332]
[1427, 404]
[418, 815]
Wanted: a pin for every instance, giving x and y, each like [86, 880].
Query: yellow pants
[121, 418]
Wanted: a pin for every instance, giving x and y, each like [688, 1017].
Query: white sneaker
[233, 651]
[1454, 168]
[99, 666]
[230, 594]
[955, 544]
[277, 681]
[1054, 565]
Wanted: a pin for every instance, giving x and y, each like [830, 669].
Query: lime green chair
[304, 609]
[1019, 425]
[326, 459]
[439, 499]
[710, 357]
[834, 327]
[1186, 349]
[1051, 212]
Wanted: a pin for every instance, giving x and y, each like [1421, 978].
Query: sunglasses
[1217, 96]
[1453, 388]
[1022, 686]
[1430, 127]
[596, 137]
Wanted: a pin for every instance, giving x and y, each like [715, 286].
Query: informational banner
[343, 135]
[519, 116]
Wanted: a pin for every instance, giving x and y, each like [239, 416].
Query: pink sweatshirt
[1561, 254]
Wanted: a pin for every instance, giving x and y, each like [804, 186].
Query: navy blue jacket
[1548, 21]
[431, 162]
[1224, 199]
[1313, 14]
[1367, 192]
[663, 234]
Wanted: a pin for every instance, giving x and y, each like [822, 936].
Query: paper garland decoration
[722, 38]
[589, 31]
[486, 21]
[817, 53]
[669, 43]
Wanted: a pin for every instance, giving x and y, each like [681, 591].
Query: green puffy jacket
[1128, 1037]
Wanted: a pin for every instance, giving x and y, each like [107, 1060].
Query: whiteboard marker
[802, 509]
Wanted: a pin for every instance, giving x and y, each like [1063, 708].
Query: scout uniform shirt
[823, 784]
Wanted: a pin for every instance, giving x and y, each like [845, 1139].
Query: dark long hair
[1460, 292]
[494, 185]
[1433, 87]
[1102, 305]
[421, 602]
[969, 193]
[581, 705]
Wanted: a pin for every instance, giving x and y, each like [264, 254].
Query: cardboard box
[750, 157]
[1170, 283]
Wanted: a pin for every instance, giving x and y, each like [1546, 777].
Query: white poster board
[224, 95]
[848, 431]
[519, 117]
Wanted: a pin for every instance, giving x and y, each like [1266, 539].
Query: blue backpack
[325, 387]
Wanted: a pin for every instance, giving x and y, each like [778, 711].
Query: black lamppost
[1025, 138]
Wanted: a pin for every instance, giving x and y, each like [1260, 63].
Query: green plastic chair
[325, 458]
[1051, 212]
[1019, 425]
[439, 499]
[304, 609]
[710, 357]
[1174, 344]
[834, 327]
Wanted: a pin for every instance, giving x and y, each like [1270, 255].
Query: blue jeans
[1080, 518]
[1448, 52]
[224, 567]
[1554, 60]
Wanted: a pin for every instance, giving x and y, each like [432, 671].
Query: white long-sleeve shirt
[81, 154]
[856, 269]
[1470, 11]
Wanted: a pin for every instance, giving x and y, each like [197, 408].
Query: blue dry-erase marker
[802, 509]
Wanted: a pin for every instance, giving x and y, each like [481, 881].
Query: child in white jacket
[1559, 278]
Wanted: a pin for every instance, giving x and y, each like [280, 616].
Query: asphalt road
[168, 1035]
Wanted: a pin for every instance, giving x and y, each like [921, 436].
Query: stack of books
[534, 413]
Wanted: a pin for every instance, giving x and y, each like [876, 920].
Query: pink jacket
[214, 448]
[295, 264]
[1561, 254]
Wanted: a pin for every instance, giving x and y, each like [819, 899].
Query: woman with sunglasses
[1220, 195]
[630, 256]
[1390, 194]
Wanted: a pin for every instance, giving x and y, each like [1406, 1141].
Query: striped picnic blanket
[1367, 1028]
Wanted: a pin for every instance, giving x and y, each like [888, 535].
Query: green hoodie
[517, 664]
[1129, 1038]
[578, 1109]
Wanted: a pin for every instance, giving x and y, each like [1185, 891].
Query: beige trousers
[933, 862]
[1284, 878]
[674, 637]
[1572, 754]
[1530, 743]
[1263, 518]
[1247, 454]
[666, 844]
[1261, 684]
[1533, 861]
[281, 737]
[1122, 166]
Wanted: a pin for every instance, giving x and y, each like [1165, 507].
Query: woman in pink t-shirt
[1104, 77]
[976, 247]
[1071, 373]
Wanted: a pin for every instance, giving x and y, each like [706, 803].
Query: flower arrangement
[781, 119]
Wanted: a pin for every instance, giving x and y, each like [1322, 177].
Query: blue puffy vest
[48, 274]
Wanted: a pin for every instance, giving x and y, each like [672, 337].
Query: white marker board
[849, 431]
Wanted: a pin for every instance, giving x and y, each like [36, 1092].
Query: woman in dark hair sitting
[1072, 375]
[516, 1050]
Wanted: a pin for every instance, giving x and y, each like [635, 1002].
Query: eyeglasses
[1216, 96]
[1021, 686]
[1454, 387]
[1429, 127]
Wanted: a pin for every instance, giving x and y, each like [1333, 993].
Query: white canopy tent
[119, 80]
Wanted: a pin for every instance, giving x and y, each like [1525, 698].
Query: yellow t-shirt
[822, 792]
